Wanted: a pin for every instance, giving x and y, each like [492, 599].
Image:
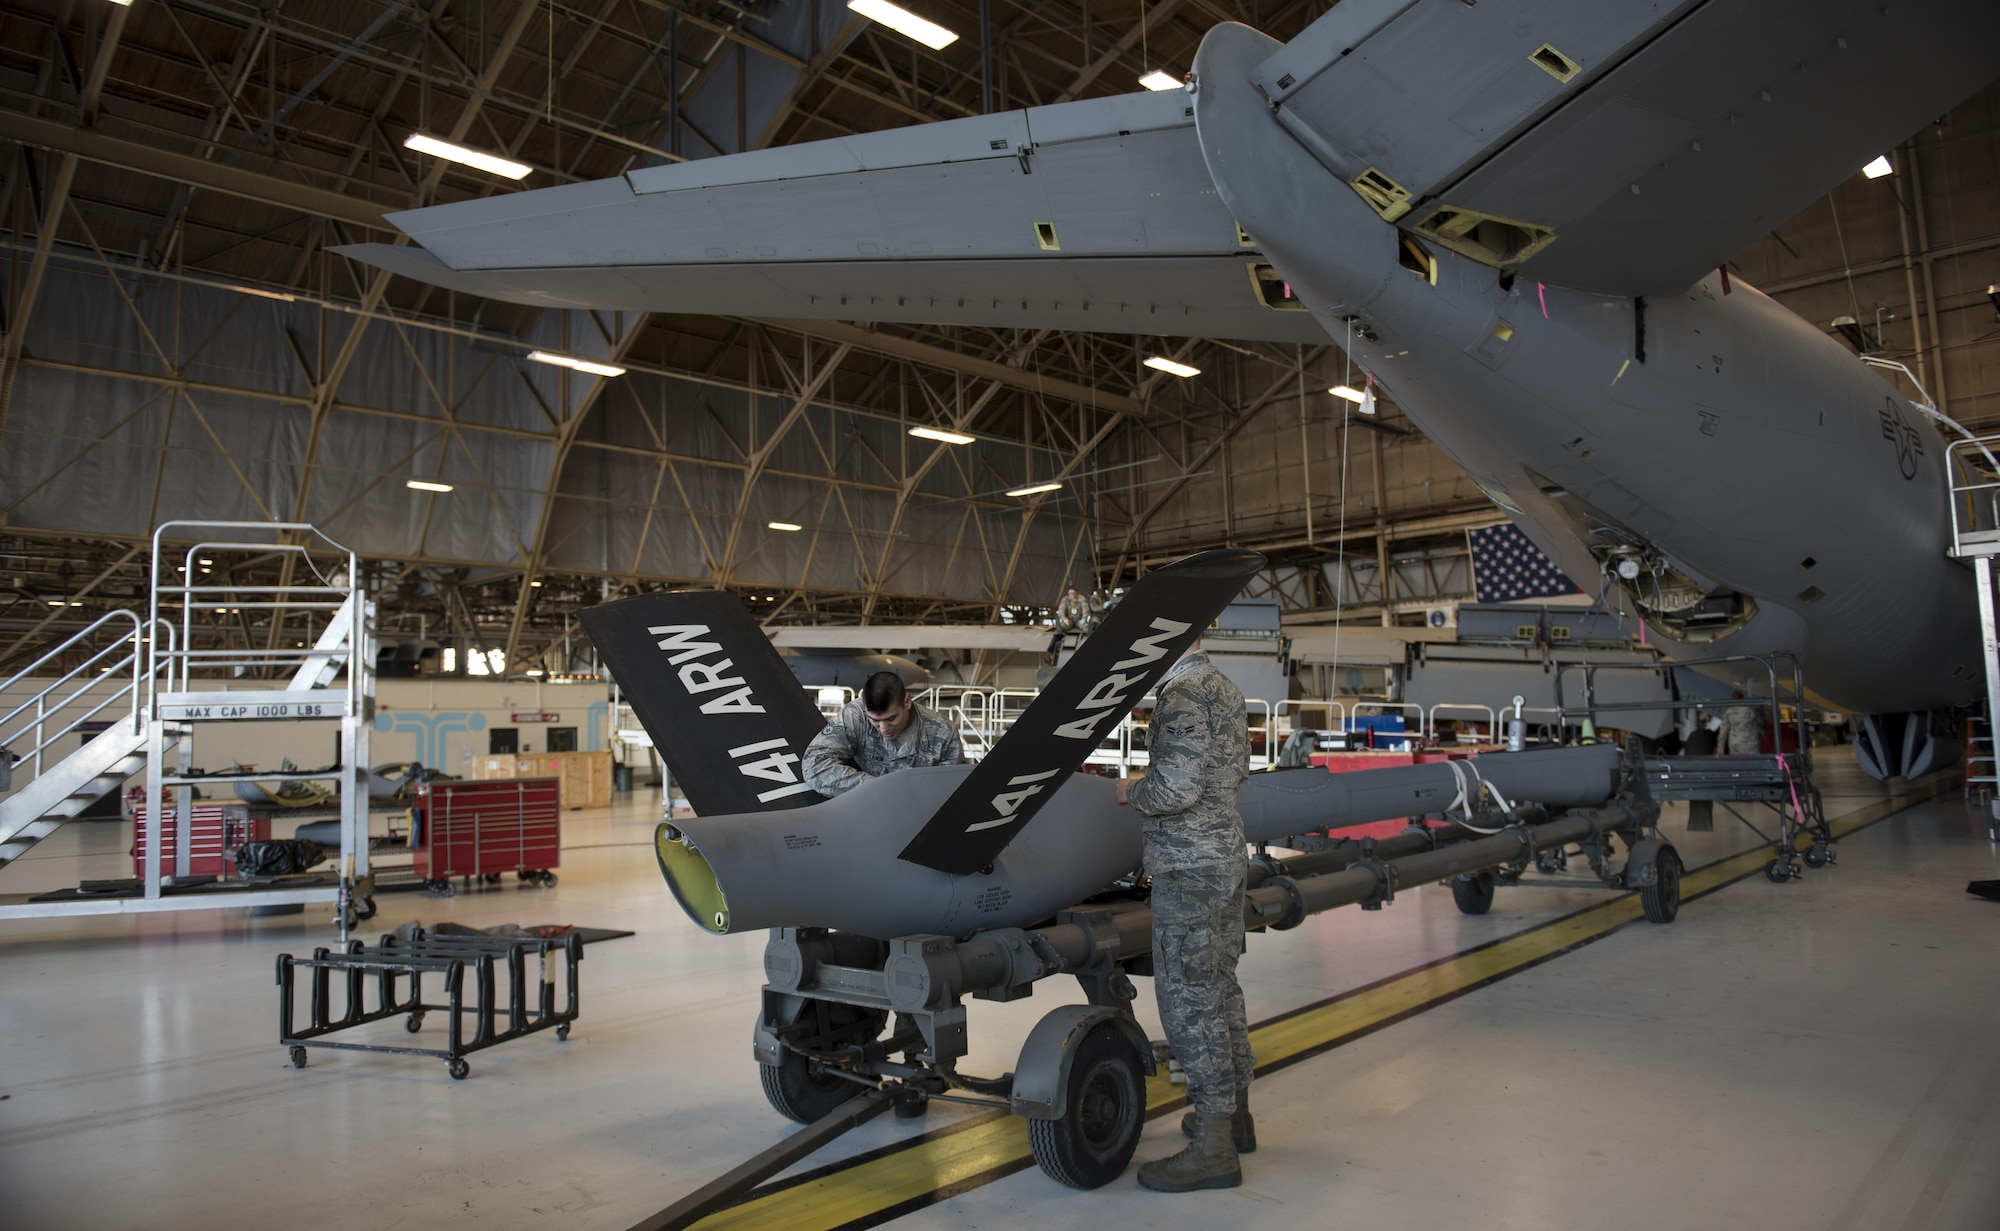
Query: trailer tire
[1662, 898]
[1091, 1143]
[798, 1093]
[1473, 893]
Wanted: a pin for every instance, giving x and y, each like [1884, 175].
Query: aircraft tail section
[723, 709]
[1158, 619]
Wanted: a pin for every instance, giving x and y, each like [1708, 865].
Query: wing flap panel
[1208, 297]
[1117, 193]
[1435, 86]
[974, 139]
[1727, 126]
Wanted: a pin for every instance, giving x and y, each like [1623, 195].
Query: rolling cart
[397, 965]
[486, 829]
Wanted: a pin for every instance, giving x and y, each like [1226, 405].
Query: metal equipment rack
[452, 956]
[1779, 780]
[169, 700]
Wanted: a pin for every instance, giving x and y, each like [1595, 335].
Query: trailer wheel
[1473, 893]
[799, 1090]
[1092, 1142]
[1662, 898]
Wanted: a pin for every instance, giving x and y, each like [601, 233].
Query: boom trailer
[830, 1057]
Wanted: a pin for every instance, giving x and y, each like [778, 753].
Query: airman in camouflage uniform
[1073, 612]
[1200, 754]
[1742, 728]
[877, 733]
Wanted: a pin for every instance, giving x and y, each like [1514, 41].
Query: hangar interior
[183, 345]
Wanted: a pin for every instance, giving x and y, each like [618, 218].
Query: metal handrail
[1400, 707]
[308, 596]
[1967, 520]
[1430, 717]
[40, 701]
[1773, 701]
[1282, 710]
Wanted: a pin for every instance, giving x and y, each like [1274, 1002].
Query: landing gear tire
[1662, 898]
[1091, 1143]
[1473, 893]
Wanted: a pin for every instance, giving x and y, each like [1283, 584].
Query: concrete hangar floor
[1820, 1054]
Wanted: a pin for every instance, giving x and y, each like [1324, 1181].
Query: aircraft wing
[718, 700]
[1165, 613]
[1627, 148]
[1095, 215]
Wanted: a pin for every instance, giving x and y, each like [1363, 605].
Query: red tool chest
[484, 828]
[218, 829]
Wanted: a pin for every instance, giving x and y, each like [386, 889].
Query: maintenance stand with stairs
[166, 691]
[1975, 536]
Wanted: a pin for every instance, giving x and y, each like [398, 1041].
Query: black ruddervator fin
[715, 695]
[1167, 611]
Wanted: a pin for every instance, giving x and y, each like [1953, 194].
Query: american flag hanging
[1507, 568]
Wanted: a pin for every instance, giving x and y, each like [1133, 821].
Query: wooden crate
[585, 776]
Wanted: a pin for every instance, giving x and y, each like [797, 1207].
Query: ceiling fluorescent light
[939, 434]
[1158, 80]
[1182, 370]
[580, 365]
[904, 22]
[505, 167]
[1879, 168]
[1363, 398]
[280, 296]
[425, 485]
[785, 525]
[1035, 490]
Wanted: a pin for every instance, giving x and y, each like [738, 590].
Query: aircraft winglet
[1166, 612]
[715, 695]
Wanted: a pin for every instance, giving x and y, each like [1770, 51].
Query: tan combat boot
[1208, 1162]
[1242, 1126]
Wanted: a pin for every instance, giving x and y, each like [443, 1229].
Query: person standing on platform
[1743, 727]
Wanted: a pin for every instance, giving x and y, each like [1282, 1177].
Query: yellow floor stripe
[997, 1144]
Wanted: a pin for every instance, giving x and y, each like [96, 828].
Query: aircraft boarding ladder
[140, 689]
[1974, 473]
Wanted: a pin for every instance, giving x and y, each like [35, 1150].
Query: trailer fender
[1041, 1079]
[1639, 868]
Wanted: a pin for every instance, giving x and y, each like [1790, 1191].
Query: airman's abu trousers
[1197, 937]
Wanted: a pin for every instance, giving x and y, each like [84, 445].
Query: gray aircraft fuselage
[1745, 445]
